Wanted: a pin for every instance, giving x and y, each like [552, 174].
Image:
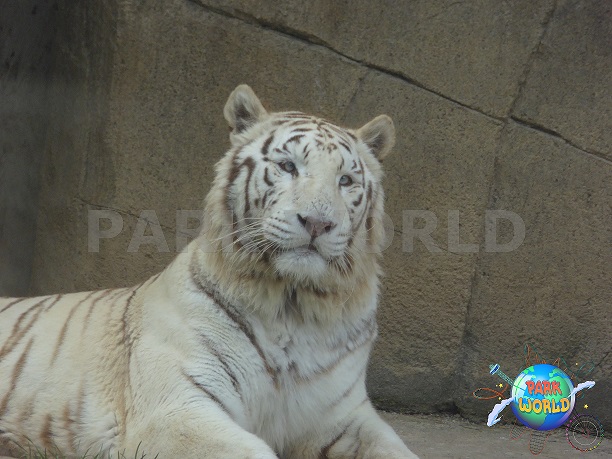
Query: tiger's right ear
[243, 109]
[378, 135]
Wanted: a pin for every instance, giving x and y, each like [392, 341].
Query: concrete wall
[27, 29]
[498, 105]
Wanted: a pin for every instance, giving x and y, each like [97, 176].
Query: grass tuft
[32, 452]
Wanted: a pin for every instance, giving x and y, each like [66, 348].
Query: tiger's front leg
[197, 434]
[361, 435]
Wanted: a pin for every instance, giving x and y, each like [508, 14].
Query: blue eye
[288, 166]
[345, 180]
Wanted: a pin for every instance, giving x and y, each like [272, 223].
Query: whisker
[250, 225]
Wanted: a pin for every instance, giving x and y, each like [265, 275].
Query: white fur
[225, 354]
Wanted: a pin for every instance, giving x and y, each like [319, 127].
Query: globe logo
[543, 397]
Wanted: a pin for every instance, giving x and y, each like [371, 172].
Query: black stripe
[210, 395]
[331, 147]
[67, 424]
[345, 146]
[324, 370]
[64, 329]
[235, 317]
[18, 300]
[368, 205]
[348, 390]
[128, 340]
[279, 228]
[324, 454]
[362, 170]
[211, 347]
[232, 177]
[341, 132]
[17, 369]
[295, 138]
[265, 197]
[18, 333]
[57, 298]
[267, 179]
[104, 294]
[300, 122]
[250, 165]
[266, 144]
[47, 434]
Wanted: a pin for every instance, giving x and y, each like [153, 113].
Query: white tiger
[253, 343]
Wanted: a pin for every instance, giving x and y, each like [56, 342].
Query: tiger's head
[300, 197]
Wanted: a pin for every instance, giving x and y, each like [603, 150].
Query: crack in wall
[312, 40]
[466, 345]
[603, 359]
[550, 132]
[545, 27]
[351, 101]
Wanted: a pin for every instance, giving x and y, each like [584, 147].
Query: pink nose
[316, 226]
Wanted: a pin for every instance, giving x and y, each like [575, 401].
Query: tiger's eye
[345, 180]
[288, 166]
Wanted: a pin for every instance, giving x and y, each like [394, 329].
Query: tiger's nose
[316, 226]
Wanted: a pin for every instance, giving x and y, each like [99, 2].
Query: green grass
[32, 452]
[47, 455]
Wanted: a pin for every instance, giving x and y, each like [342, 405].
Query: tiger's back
[55, 364]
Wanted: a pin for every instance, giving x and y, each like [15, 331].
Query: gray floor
[433, 437]
[437, 437]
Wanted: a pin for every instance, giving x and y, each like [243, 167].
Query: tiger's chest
[315, 369]
[308, 352]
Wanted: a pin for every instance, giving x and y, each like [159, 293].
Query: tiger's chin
[301, 263]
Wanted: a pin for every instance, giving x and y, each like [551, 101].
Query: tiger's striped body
[253, 343]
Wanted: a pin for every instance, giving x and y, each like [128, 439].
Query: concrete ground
[438, 437]
[434, 437]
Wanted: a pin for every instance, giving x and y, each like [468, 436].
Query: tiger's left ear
[378, 135]
[243, 109]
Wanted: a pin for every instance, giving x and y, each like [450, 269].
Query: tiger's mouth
[301, 262]
[306, 248]
[303, 251]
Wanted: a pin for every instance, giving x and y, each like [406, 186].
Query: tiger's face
[300, 190]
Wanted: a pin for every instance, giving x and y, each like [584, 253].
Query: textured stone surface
[473, 52]
[154, 135]
[434, 437]
[569, 87]
[137, 92]
[443, 161]
[26, 36]
[77, 163]
[554, 290]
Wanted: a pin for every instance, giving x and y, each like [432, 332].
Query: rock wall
[498, 106]
[27, 29]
